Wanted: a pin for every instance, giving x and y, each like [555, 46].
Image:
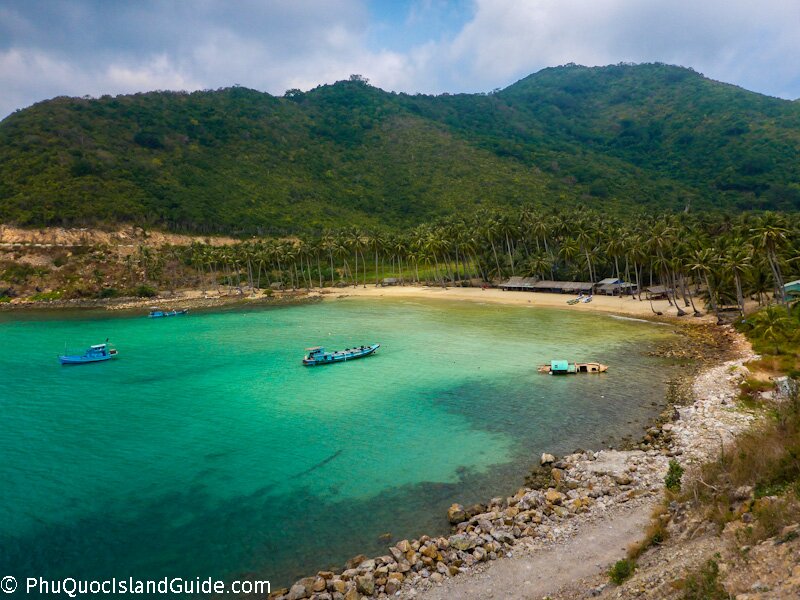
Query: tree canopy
[240, 161]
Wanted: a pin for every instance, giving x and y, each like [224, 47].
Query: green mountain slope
[240, 161]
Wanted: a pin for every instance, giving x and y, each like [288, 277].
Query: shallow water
[206, 449]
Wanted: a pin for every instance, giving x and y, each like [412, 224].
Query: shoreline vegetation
[698, 264]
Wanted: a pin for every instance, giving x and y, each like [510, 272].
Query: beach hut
[519, 284]
[791, 290]
[658, 292]
[612, 286]
[390, 281]
[563, 287]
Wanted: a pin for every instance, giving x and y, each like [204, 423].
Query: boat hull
[96, 353]
[83, 360]
[160, 314]
[329, 358]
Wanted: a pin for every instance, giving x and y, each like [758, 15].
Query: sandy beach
[627, 306]
[193, 298]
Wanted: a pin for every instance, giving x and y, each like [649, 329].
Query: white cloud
[158, 73]
[78, 48]
[21, 74]
[751, 44]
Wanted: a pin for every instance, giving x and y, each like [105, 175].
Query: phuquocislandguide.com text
[74, 588]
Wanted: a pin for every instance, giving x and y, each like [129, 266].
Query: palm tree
[584, 236]
[737, 260]
[703, 261]
[539, 264]
[378, 243]
[770, 234]
[344, 252]
[569, 250]
[771, 324]
[508, 229]
[328, 243]
[614, 247]
[490, 230]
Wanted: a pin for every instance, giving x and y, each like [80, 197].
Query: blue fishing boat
[155, 313]
[96, 353]
[318, 356]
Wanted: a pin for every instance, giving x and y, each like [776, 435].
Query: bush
[108, 293]
[60, 260]
[766, 460]
[704, 584]
[19, 273]
[46, 296]
[673, 479]
[144, 291]
[655, 534]
[621, 570]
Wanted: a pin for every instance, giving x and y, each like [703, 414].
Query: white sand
[608, 304]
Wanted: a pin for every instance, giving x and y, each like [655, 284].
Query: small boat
[587, 299]
[562, 367]
[580, 298]
[96, 353]
[156, 313]
[318, 356]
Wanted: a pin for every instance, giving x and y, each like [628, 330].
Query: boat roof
[98, 346]
[558, 365]
[314, 348]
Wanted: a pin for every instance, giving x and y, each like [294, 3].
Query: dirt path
[530, 575]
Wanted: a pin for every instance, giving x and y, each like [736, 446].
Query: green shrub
[144, 291]
[108, 293]
[673, 479]
[19, 273]
[622, 570]
[60, 260]
[704, 584]
[46, 296]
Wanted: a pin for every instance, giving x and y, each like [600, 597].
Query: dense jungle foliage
[701, 262]
[244, 162]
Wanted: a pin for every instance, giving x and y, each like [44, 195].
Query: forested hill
[240, 161]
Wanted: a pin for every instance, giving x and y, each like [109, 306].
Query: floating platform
[563, 367]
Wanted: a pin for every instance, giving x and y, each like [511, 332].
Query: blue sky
[92, 47]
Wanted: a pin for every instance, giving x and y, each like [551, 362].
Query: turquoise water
[206, 449]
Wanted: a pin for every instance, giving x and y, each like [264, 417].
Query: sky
[93, 47]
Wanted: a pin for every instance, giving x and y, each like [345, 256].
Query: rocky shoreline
[561, 498]
[179, 300]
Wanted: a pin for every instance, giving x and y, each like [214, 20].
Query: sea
[207, 450]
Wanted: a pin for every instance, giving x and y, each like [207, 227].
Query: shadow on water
[282, 538]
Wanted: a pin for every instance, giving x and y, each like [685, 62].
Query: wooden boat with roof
[318, 356]
[96, 353]
[563, 367]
